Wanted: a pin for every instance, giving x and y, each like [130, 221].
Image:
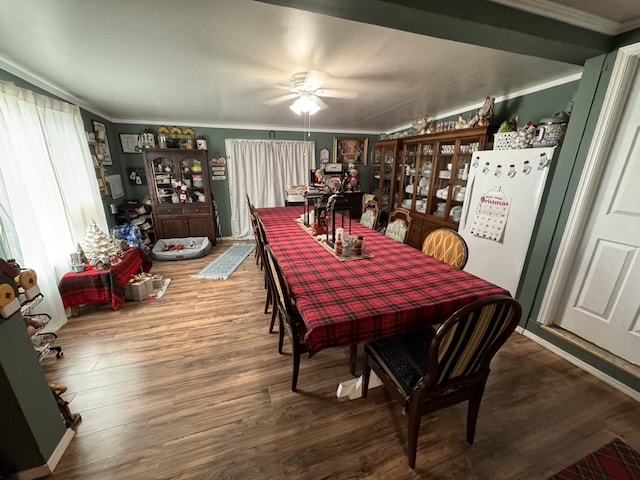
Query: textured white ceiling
[214, 63]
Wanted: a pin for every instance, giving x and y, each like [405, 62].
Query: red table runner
[102, 286]
[399, 289]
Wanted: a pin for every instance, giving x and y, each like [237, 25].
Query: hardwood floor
[191, 386]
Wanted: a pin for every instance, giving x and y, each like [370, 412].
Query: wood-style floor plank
[191, 386]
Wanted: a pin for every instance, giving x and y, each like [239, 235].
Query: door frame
[625, 66]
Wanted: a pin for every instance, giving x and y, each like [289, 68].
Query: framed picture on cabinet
[131, 143]
[348, 150]
[104, 153]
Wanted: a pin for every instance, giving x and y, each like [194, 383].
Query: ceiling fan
[306, 90]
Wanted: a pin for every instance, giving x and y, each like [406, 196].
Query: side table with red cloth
[398, 290]
[102, 286]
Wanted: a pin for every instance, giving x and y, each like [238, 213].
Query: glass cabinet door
[389, 164]
[407, 175]
[422, 178]
[459, 175]
[193, 178]
[165, 176]
[383, 160]
[443, 165]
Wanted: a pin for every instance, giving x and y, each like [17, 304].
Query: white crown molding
[572, 16]
[48, 87]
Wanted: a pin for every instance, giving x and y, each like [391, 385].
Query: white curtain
[264, 169]
[48, 187]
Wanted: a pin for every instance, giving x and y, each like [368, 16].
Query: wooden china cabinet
[384, 161]
[431, 178]
[180, 212]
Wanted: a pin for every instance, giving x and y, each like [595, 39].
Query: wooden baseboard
[581, 364]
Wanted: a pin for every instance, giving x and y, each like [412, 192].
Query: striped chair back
[466, 342]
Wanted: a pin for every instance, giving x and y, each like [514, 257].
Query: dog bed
[181, 248]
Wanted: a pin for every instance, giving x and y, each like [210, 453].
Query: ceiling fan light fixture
[305, 104]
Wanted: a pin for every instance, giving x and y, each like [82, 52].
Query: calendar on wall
[492, 213]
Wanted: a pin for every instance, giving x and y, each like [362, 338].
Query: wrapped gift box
[139, 290]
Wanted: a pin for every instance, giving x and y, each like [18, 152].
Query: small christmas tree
[96, 244]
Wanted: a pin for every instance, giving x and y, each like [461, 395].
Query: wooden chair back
[398, 225]
[290, 320]
[370, 214]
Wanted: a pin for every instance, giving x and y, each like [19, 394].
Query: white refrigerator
[501, 203]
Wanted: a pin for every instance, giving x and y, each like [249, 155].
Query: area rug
[223, 266]
[614, 461]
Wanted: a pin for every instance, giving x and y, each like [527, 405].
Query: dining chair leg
[472, 413]
[412, 434]
[365, 376]
[267, 301]
[274, 312]
[280, 336]
[353, 358]
[296, 369]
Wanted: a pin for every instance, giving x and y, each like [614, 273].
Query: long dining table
[397, 289]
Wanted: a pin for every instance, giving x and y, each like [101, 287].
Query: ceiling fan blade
[335, 93]
[314, 79]
[280, 99]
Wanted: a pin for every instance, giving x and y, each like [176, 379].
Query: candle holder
[338, 205]
[311, 197]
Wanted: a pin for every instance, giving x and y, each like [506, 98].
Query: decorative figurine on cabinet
[351, 181]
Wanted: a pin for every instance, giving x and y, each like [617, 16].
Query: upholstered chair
[398, 225]
[370, 214]
[447, 246]
[427, 370]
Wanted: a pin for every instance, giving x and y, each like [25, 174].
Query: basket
[502, 141]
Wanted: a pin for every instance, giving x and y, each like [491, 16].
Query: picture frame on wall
[131, 143]
[348, 150]
[102, 142]
[324, 156]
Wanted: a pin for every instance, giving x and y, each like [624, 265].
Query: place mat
[330, 249]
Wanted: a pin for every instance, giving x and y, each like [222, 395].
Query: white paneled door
[601, 301]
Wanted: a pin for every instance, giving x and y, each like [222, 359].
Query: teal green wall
[31, 423]
[215, 144]
[531, 107]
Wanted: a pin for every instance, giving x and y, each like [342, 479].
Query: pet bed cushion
[181, 248]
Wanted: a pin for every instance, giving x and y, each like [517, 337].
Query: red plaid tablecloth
[102, 286]
[399, 289]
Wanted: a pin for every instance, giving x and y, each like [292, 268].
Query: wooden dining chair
[252, 219]
[398, 225]
[447, 246]
[370, 215]
[289, 318]
[270, 301]
[428, 370]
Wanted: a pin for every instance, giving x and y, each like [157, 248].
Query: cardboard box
[139, 290]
